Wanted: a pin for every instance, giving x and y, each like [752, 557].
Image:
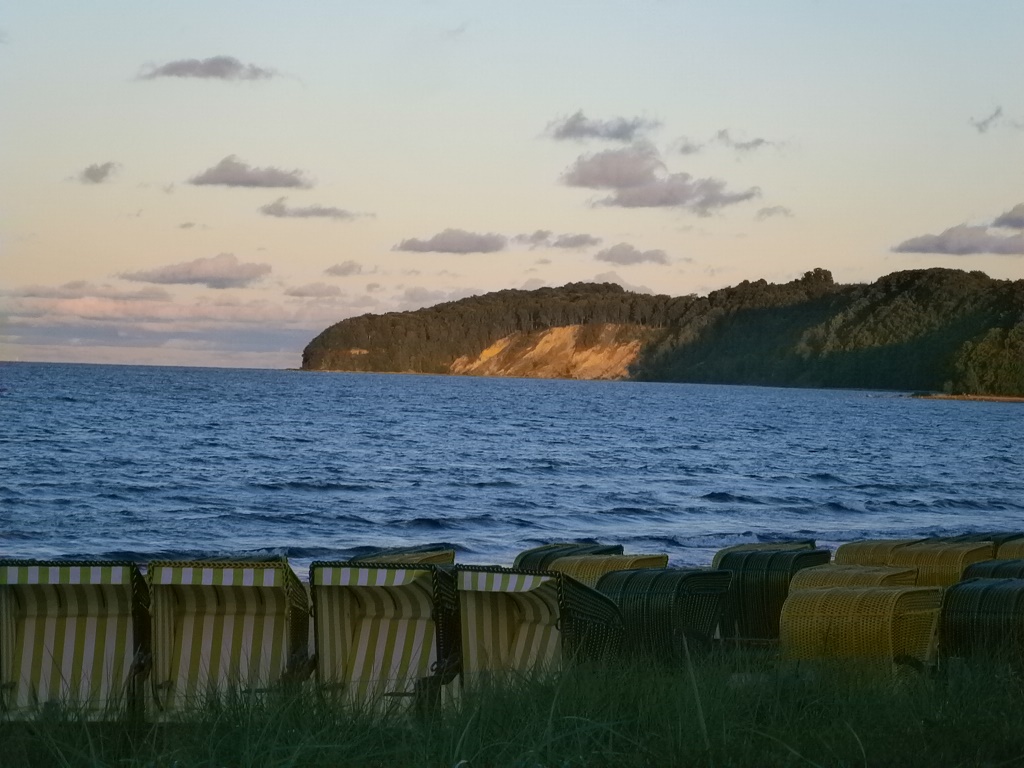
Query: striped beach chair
[224, 629]
[384, 632]
[73, 636]
[532, 621]
[588, 569]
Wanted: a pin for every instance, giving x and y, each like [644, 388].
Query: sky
[214, 183]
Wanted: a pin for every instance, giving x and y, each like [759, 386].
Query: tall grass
[757, 711]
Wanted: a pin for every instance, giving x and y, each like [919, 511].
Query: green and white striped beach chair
[384, 631]
[73, 636]
[520, 620]
[224, 628]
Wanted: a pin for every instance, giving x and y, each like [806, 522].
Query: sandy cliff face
[601, 351]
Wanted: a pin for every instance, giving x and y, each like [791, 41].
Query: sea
[105, 462]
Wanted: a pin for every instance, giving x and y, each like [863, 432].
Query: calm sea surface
[140, 463]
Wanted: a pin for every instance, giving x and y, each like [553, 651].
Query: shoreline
[976, 398]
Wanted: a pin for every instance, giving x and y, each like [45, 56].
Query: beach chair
[588, 569]
[515, 620]
[663, 608]
[998, 538]
[763, 546]
[941, 563]
[224, 629]
[1010, 550]
[760, 584]
[385, 633]
[74, 637]
[539, 558]
[984, 616]
[870, 551]
[436, 554]
[892, 626]
[832, 575]
[994, 569]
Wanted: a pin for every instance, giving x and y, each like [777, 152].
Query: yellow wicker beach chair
[588, 569]
[224, 629]
[889, 625]
[73, 635]
[384, 630]
[870, 551]
[518, 620]
[941, 563]
[1011, 550]
[822, 576]
[762, 546]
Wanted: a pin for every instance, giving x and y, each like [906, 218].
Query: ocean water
[147, 462]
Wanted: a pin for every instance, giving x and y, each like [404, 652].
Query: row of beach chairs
[401, 626]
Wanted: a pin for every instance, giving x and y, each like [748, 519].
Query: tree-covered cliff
[934, 329]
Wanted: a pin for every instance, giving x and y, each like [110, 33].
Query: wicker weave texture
[427, 556]
[540, 558]
[831, 575]
[1011, 550]
[762, 546]
[588, 569]
[888, 624]
[939, 563]
[870, 551]
[984, 617]
[760, 584]
[663, 607]
[995, 569]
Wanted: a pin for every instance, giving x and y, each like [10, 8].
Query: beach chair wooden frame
[664, 609]
[893, 626]
[588, 569]
[224, 629]
[74, 637]
[516, 621]
[385, 632]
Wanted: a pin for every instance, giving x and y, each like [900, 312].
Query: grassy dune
[736, 710]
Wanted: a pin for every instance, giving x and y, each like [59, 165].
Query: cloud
[545, 238]
[685, 146]
[680, 190]
[533, 284]
[1013, 218]
[231, 172]
[614, 277]
[78, 289]
[773, 211]
[280, 210]
[985, 123]
[221, 271]
[615, 168]
[964, 240]
[579, 127]
[213, 68]
[345, 269]
[314, 291]
[374, 287]
[725, 138]
[623, 253]
[187, 225]
[455, 241]
[416, 297]
[98, 172]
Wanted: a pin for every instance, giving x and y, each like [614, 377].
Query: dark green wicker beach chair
[760, 585]
[763, 545]
[526, 621]
[995, 569]
[662, 608]
[983, 617]
[540, 558]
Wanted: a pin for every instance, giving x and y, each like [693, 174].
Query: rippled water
[137, 462]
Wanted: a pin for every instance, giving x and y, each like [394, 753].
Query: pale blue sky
[375, 156]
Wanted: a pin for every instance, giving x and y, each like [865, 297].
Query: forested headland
[937, 330]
